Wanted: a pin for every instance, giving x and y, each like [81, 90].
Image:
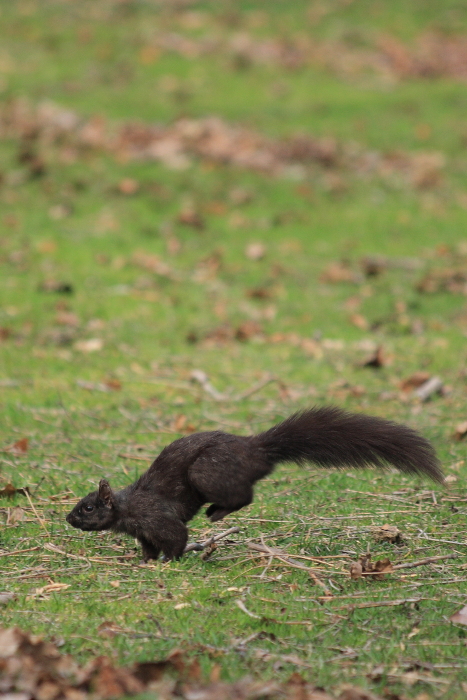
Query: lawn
[275, 197]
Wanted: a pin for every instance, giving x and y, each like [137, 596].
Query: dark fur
[221, 469]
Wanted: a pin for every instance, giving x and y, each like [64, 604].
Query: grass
[145, 321]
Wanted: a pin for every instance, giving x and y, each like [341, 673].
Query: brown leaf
[255, 251]
[248, 330]
[16, 515]
[359, 321]
[89, 345]
[373, 266]
[387, 533]
[56, 286]
[377, 359]
[9, 490]
[20, 447]
[461, 431]
[376, 569]
[381, 567]
[339, 272]
[190, 217]
[460, 617]
[67, 318]
[356, 570]
[5, 333]
[6, 597]
[128, 186]
[352, 693]
[113, 384]
[415, 380]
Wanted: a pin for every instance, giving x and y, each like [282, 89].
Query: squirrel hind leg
[217, 511]
[214, 513]
[149, 550]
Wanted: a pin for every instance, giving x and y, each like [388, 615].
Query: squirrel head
[96, 511]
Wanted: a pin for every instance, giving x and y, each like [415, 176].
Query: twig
[199, 546]
[434, 385]
[126, 455]
[379, 604]
[18, 551]
[421, 562]
[264, 549]
[41, 521]
[257, 387]
[241, 605]
[197, 375]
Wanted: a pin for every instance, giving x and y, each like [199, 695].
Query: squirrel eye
[88, 508]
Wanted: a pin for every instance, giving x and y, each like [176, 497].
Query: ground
[212, 215]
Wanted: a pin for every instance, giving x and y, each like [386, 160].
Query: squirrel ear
[105, 492]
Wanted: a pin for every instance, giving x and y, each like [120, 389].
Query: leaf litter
[213, 140]
[32, 668]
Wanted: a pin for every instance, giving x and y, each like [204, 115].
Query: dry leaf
[365, 567]
[255, 251]
[461, 431]
[56, 286]
[377, 359]
[359, 321]
[128, 186]
[6, 597]
[339, 272]
[190, 217]
[9, 490]
[90, 345]
[460, 617]
[415, 380]
[20, 447]
[387, 533]
[67, 318]
[356, 570]
[16, 515]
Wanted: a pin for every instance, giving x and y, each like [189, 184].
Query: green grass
[145, 322]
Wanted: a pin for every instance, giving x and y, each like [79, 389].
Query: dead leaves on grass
[213, 140]
[34, 669]
[365, 567]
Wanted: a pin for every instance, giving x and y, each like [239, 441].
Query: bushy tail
[331, 437]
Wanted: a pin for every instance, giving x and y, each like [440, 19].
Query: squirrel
[221, 469]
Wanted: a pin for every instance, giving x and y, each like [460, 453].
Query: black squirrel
[221, 469]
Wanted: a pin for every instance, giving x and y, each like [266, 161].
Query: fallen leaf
[339, 272]
[16, 515]
[67, 318]
[365, 567]
[387, 533]
[415, 380]
[377, 359]
[128, 186]
[356, 570]
[190, 217]
[461, 431]
[255, 251]
[9, 490]
[460, 617]
[6, 597]
[90, 345]
[20, 447]
[56, 286]
[359, 321]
